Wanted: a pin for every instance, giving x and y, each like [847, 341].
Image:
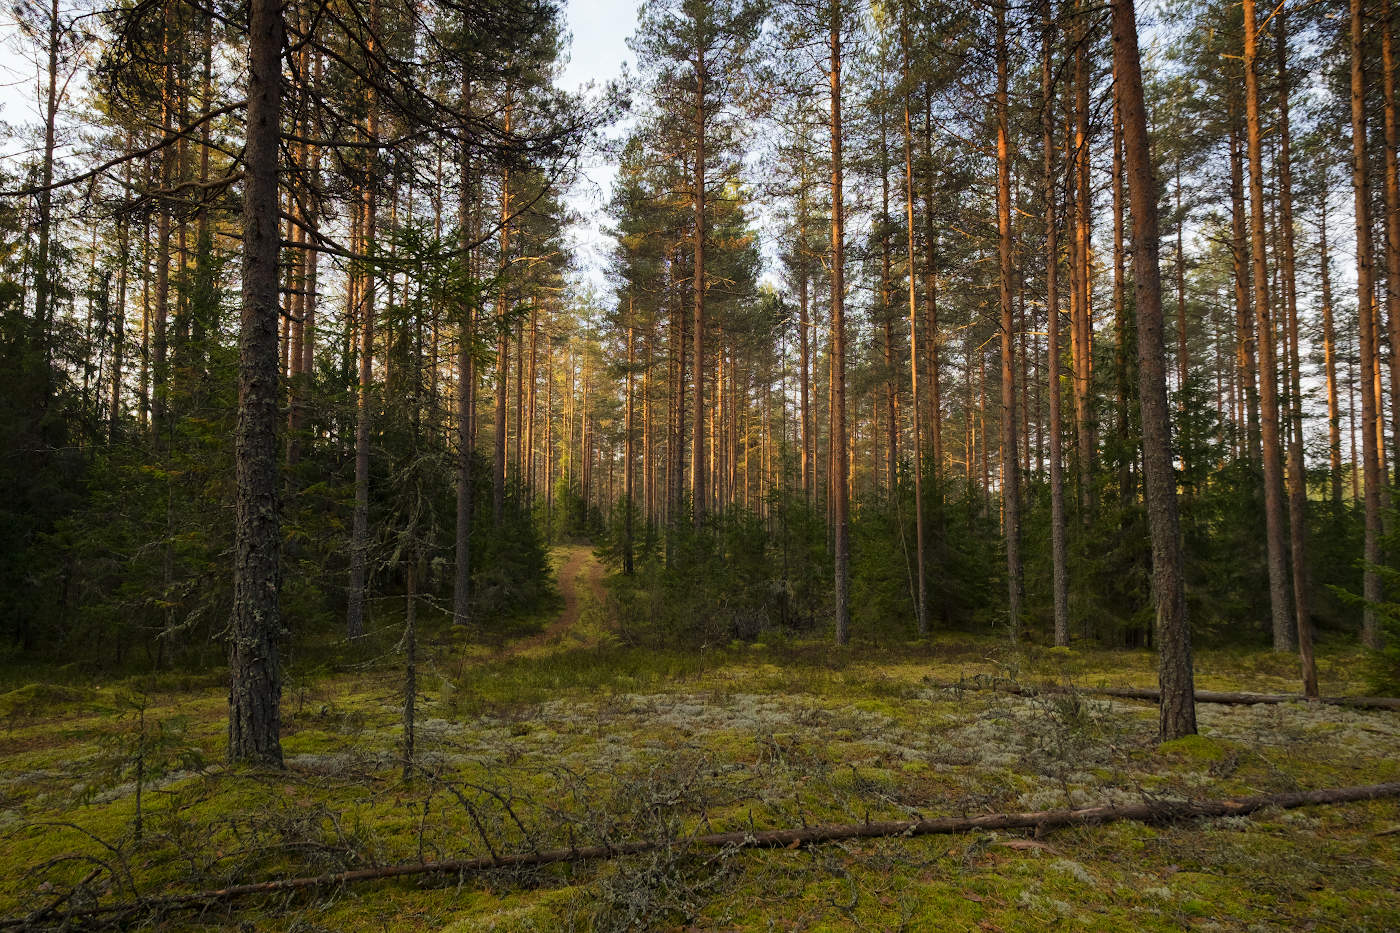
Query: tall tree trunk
[1082, 344]
[461, 579]
[1392, 222]
[1010, 481]
[498, 470]
[648, 464]
[160, 363]
[410, 666]
[1297, 475]
[840, 482]
[629, 455]
[931, 335]
[533, 380]
[296, 272]
[1183, 348]
[359, 530]
[549, 437]
[1244, 318]
[143, 390]
[1177, 712]
[1365, 296]
[887, 314]
[697, 443]
[1058, 546]
[119, 313]
[43, 276]
[920, 567]
[1126, 492]
[255, 679]
[1329, 363]
[518, 457]
[1275, 527]
[310, 266]
[804, 374]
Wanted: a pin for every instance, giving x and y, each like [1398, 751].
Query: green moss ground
[587, 740]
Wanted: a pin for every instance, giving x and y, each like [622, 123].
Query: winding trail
[580, 569]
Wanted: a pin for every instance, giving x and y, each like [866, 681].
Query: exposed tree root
[1155, 696]
[1150, 811]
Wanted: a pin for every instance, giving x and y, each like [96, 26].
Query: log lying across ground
[1153, 811]
[1155, 696]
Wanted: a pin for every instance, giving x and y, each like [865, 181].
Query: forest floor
[569, 736]
[580, 577]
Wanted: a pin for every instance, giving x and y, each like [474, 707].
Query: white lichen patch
[1075, 870]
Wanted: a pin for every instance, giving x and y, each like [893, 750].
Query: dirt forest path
[580, 576]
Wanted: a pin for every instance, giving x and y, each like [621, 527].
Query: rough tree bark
[359, 529]
[1010, 481]
[1329, 360]
[920, 569]
[1058, 545]
[1297, 475]
[1392, 218]
[1177, 715]
[841, 462]
[255, 680]
[1275, 526]
[498, 466]
[1082, 317]
[42, 276]
[461, 578]
[629, 455]
[1365, 292]
[697, 443]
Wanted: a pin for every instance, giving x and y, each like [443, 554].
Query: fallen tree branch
[1154, 695]
[1154, 811]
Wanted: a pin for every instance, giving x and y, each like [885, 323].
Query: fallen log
[1154, 695]
[1149, 811]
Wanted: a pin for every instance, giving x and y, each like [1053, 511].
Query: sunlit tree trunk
[114, 411]
[628, 457]
[1244, 317]
[887, 314]
[697, 443]
[1126, 492]
[1392, 221]
[498, 469]
[932, 338]
[1275, 526]
[840, 482]
[533, 380]
[1010, 482]
[359, 530]
[1058, 547]
[43, 275]
[1177, 710]
[1329, 361]
[920, 566]
[1297, 475]
[1365, 296]
[160, 337]
[1082, 330]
